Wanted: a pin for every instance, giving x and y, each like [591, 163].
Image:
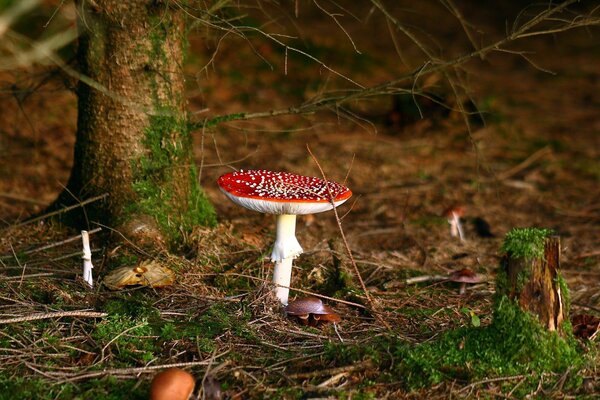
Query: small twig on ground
[347, 246]
[322, 296]
[201, 391]
[57, 314]
[15, 197]
[524, 164]
[491, 380]
[425, 278]
[123, 371]
[61, 211]
[69, 240]
[586, 255]
[22, 277]
[339, 223]
[332, 371]
[18, 263]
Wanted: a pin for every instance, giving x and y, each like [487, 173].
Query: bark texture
[132, 135]
[535, 283]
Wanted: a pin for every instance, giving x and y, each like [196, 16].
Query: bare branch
[520, 32]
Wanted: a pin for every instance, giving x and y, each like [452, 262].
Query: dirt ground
[534, 162]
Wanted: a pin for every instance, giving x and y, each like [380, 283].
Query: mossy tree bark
[534, 282]
[133, 140]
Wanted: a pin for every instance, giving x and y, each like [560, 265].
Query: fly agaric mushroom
[464, 276]
[311, 311]
[285, 195]
[172, 384]
[453, 214]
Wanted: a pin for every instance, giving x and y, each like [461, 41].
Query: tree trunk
[133, 140]
[536, 285]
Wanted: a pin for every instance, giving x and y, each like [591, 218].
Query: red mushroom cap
[450, 212]
[465, 275]
[282, 192]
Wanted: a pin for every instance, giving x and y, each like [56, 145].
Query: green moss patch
[515, 343]
[108, 388]
[157, 180]
[526, 242]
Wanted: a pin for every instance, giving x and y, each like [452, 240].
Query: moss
[345, 354]
[215, 321]
[157, 185]
[515, 343]
[108, 388]
[525, 243]
[133, 306]
[158, 175]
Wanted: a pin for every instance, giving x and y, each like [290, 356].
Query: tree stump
[531, 268]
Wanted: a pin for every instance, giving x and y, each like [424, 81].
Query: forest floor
[535, 162]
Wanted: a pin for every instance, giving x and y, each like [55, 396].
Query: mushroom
[453, 215]
[87, 259]
[285, 195]
[464, 276]
[311, 311]
[147, 273]
[172, 384]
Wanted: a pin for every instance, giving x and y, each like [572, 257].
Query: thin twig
[293, 289]
[69, 240]
[126, 371]
[57, 314]
[15, 197]
[524, 164]
[332, 371]
[339, 223]
[22, 277]
[491, 380]
[61, 211]
[372, 306]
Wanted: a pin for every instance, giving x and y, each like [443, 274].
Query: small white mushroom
[453, 215]
[87, 259]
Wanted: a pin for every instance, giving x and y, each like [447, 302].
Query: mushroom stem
[286, 248]
[456, 227]
[282, 275]
[87, 259]
[286, 244]
[463, 288]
